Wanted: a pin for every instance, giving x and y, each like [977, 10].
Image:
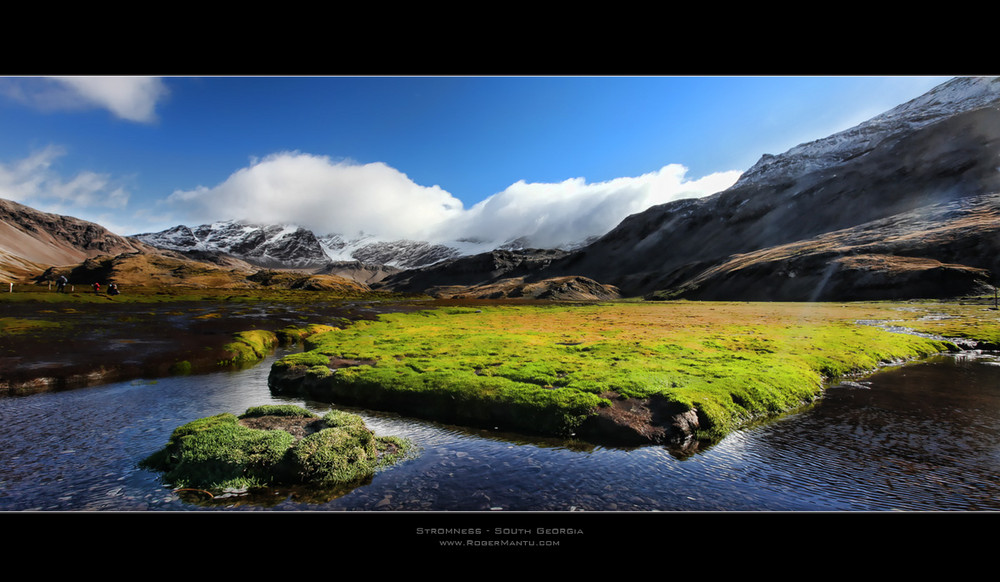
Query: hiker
[61, 283]
[113, 289]
[97, 288]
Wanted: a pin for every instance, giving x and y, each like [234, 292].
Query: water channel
[918, 437]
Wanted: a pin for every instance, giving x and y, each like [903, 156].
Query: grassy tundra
[554, 368]
[538, 367]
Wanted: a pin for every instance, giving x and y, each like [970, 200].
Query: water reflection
[918, 437]
[921, 436]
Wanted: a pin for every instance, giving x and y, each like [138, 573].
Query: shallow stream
[922, 436]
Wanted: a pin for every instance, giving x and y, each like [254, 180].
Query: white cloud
[347, 198]
[34, 182]
[570, 211]
[350, 198]
[129, 98]
[322, 195]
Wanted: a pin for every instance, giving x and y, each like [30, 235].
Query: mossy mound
[249, 346]
[274, 445]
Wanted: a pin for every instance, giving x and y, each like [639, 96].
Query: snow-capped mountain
[290, 246]
[269, 245]
[403, 254]
[956, 96]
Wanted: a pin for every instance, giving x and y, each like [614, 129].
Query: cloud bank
[36, 182]
[323, 196]
[566, 213]
[129, 98]
[348, 198]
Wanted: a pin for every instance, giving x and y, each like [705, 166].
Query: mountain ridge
[31, 240]
[920, 159]
[900, 204]
[295, 247]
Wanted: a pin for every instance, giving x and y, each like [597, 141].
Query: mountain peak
[263, 245]
[955, 96]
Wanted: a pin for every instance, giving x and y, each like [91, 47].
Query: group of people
[112, 288]
[62, 281]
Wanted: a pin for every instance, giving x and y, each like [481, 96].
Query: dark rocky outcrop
[557, 288]
[470, 271]
[938, 251]
[636, 422]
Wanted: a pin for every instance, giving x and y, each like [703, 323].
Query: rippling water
[918, 437]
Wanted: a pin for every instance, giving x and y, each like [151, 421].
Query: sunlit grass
[733, 362]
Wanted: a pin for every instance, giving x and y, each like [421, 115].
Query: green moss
[548, 368]
[345, 451]
[308, 359]
[335, 454]
[16, 325]
[249, 346]
[293, 334]
[218, 452]
[277, 410]
[319, 372]
[182, 368]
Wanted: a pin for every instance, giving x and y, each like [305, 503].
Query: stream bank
[70, 343]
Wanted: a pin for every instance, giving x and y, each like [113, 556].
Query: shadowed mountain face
[677, 249]
[936, 251]
[500, 274]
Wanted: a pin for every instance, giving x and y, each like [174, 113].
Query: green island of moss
[657, 371]
[274, 445]
[249, 347]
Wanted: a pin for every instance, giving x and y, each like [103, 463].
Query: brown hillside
[52, 239]
[167, 269]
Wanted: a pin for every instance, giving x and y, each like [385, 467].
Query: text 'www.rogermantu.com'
[499, 543]
[500, 537]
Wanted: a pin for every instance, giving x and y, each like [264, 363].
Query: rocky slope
[367, 273]
[53, 239]
[939, 149]
[37, 247]
[473, 270]
[164, 269]
[555, 288]
[930, 252]
[499, 274]
[398, 254]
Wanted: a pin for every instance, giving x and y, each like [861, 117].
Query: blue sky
[407, 157]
